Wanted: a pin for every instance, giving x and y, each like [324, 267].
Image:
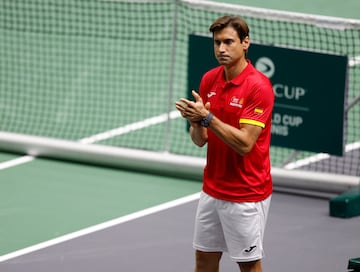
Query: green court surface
[7, 156]
[44, 199]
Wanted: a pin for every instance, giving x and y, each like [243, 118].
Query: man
[232, 115]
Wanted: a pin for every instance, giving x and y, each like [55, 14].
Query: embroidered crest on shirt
[236, 102]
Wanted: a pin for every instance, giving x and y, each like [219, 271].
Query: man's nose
[222, 47]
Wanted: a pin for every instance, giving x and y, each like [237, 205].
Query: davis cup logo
[265, 66]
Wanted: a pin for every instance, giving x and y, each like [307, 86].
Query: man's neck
[233, 71]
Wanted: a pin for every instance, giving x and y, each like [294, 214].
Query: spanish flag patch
[258, 110]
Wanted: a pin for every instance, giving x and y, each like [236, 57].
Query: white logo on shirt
[211, 94]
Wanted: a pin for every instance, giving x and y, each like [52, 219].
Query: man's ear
[246, 43]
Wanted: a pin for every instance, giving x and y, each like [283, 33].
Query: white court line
[15, 162]
[98, 137]
[101, 226]
[131, 127]
[105, 135]
[319, 157]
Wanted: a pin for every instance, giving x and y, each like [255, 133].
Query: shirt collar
[240, 77]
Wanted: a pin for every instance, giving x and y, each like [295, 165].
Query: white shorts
[236, 228]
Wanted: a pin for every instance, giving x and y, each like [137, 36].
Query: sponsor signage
[309, 91]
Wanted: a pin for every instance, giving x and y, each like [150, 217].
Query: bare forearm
[198, 134]
[241, 140]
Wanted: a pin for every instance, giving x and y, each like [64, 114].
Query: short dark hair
[236, 22]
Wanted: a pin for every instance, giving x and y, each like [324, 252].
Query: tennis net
[108, 72]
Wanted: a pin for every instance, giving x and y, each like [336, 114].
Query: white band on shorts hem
[204, 249]
[244, 260]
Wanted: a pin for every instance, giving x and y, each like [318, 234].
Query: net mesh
[75, 69]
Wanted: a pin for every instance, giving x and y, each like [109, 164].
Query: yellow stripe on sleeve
[252, 122]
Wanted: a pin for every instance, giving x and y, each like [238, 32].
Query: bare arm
[198, 133]
[240, 139]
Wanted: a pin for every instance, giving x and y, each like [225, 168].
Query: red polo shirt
[248, 98]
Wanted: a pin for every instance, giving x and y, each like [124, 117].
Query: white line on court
[17, 161]
[104, 135]
[131, 127]
[319, 157]
[99, 137]
[101, 226]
